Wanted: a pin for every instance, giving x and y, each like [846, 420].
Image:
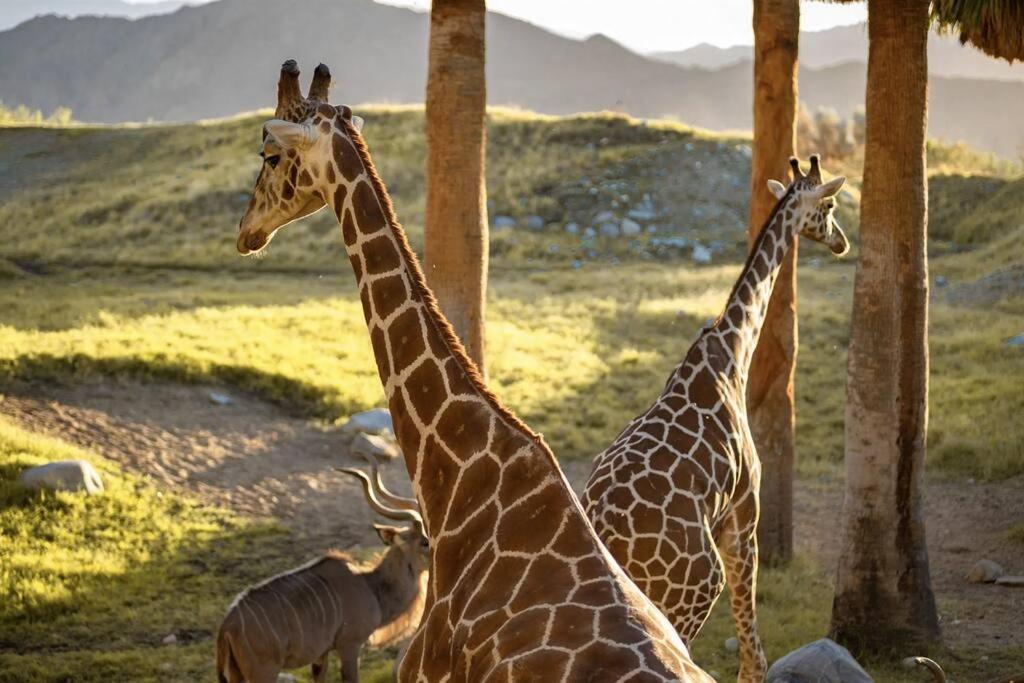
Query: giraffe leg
[738, 545]
[697, 580]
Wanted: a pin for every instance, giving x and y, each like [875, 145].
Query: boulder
[503, 222]
[732, 645]
[1016, 341]
[823, 661]
[376, 421]
[701, 254]
[985, 571]
[65, 475]
[374, 447]
[630, 228]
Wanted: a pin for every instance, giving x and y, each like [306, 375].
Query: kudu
[298, 617]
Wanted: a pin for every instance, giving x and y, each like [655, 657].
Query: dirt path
[248, 456]
[252, 457]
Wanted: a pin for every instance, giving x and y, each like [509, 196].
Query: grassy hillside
[117, 258]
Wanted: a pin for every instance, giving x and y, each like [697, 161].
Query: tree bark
[884, 600]
[455, 226]
[770, 404]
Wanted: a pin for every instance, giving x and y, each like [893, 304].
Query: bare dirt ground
[256, 459]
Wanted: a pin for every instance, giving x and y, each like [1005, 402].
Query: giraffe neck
[442, 411]
[740, 324]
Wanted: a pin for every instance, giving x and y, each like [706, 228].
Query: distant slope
[820, 49]
[219, 59]
[13, 12]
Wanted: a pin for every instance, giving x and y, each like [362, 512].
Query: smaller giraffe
[675, 497]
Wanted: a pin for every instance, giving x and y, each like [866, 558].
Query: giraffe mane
[754, 248]
[434, 313]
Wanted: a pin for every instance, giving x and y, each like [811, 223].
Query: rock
[1016, 341]
[572, 228]
[732, 645]
[577, 264]
[701, 254]
[64, 475]
[286, 678]
[823, 661]
[589, 232]
[605, 217]
[941, 281]
[170, 639]
[375, 447]
[814, 263]
[535, 222]
[985, 571]
[609, 229]
[651, 229]
[220, 399]
[630, 228]
[376, 421]
[1010, 581]
[745, 151]
[503, 222]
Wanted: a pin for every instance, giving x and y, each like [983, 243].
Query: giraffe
[520, 587]
[675, 496]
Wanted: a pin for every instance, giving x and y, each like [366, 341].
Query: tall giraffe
[520, 586]
[675, 497]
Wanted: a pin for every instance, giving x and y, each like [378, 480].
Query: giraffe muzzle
[250, 243]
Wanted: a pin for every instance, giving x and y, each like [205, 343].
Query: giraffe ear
[357, 123]
[291, 135]
[777, 189]
[831, 188]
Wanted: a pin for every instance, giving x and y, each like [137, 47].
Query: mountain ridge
[178, 66]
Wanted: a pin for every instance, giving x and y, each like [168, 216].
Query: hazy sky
[652, 25]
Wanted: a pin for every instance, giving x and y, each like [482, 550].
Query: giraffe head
[297, 157]
[811, 205]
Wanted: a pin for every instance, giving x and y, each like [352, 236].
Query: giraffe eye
[272, 160]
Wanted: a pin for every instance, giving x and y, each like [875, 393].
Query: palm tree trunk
[884, 599]
[770, 408]
[455, 226]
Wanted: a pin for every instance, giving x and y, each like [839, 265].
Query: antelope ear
[831, 188]
[291, 135]
[388, 534]
[777, 189]
[357, 123]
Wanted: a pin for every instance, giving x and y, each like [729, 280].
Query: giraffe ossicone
[520, 587]
[675, 496]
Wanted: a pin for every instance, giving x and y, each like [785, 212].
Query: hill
[14, 13]
[179, 67]
[841, 44]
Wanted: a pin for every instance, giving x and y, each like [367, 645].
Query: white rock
[609, 229]
[374, 446]
[823, 661]
[604, 217]
[219, 399]
[572, 228]
[65, 475]
[589, 232]
[732, 645]
[170, 639]
[630, 228]
[701, 254]
[985, 571]
[1016, 341]
[503, 222]
[376, 421]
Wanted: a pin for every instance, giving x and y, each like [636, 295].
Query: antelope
[296, 618]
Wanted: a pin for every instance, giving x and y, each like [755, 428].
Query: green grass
[91, 585]
[610, 333]
[117, 258]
